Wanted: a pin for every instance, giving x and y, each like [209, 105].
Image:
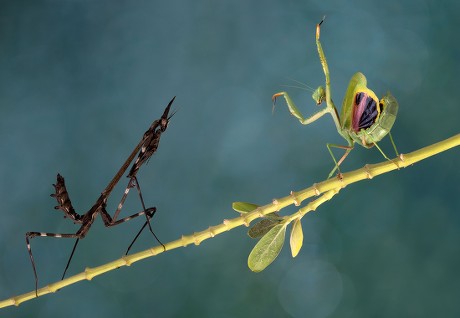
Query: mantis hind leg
[348, 149]
[381, 151]
[393, 143]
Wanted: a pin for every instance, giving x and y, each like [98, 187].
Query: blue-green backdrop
[80, 81]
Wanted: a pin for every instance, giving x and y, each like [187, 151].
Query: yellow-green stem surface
[367, 172]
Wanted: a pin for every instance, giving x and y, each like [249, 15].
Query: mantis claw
[274, 97]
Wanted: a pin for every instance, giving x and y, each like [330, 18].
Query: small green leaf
[244, 207]
[274, 216]
[261, 228]
[296, 237]
[267, 249]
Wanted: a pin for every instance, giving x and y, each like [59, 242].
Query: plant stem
[296, 198]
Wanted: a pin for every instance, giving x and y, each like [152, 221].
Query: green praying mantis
[363, 120]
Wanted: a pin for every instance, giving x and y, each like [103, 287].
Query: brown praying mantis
[363, 120]
[146, 148]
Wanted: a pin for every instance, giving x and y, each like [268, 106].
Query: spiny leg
[147, 215]
[381, 151]
[320, 95]
[70, 258]
[30, 235]
[32, 262]
[327, 94]
[295, 111]
[393, 143]
[348, 149]
[109, 222]
[134, 182]
[79, 235]
[123, 199]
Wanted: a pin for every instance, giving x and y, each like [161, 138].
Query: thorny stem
[329, 187]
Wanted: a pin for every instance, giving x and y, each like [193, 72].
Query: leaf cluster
[271, 232]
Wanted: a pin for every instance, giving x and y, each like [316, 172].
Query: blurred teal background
[80, 82]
